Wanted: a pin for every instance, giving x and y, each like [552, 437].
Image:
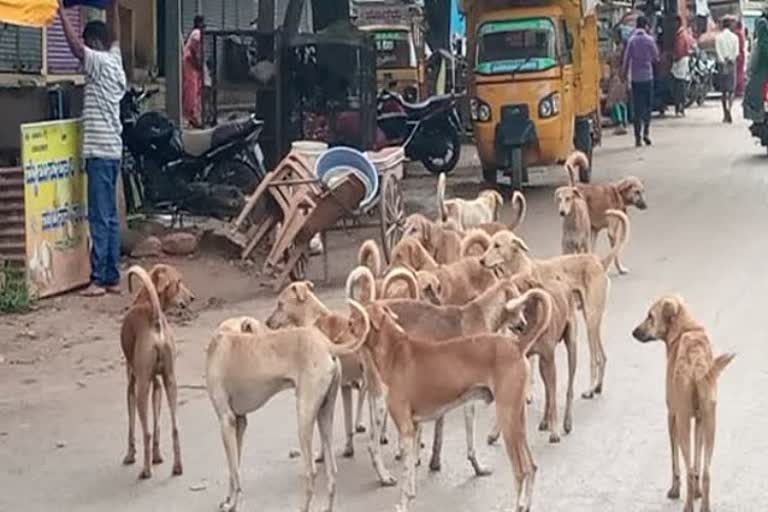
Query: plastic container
[389, 160]
[339, 161]
[99, 4]
[310, 150]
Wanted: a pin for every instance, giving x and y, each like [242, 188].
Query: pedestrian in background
[639, 57]
[616, 97]
[105, 86]
[741, 60]
[193, 74]
[727, 50]
[681, 70]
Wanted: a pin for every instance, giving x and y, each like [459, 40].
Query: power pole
[173, 60]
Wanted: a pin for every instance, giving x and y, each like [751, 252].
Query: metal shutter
[60, 57]
[188, 12]
[238, 14]
[21, 49]
[213, 10]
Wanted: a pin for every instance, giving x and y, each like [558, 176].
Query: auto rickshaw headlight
[549, 106]
[479, 110]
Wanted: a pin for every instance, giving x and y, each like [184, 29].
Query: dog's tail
[475, 238]
[623, 237]
[361, 279]
[369, 255]
[442, 213]
[718, 365]
[520, 205]
[533, 332]
[575, 161]
[403, 275]
[353, 346]
[150, 289]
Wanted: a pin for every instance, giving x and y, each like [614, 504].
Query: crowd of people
[636, 62]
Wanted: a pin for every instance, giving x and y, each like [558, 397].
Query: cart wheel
[392, 213]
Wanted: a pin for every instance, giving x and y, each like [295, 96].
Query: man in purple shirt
[640, 55]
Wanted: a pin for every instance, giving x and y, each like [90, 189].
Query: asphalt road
[703, 236]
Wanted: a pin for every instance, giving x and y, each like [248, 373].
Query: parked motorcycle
[703, 69]
[202, 172]
[429, 130]
[759, 126]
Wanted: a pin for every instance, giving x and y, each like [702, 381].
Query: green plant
[14, 296]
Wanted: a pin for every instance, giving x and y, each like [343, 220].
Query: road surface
[63, 420]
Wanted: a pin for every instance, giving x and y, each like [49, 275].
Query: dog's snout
[562, 213]
[640, 335]
[482, 261]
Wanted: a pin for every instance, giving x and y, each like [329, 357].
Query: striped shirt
[105, 85]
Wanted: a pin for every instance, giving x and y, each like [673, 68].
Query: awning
[31, 13]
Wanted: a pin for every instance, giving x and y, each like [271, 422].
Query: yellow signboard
[55, 207]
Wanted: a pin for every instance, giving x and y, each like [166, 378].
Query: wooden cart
[294, 204]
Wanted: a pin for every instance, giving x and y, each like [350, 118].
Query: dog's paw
[674, 491]
[492, 439]
[383, 440]
[129, 459]
[360, 429]
[145, 474]
[388, 481]
[348, 452]
[588, 395]
[177, 469]
[599, 389]
[435, 464]
[567, 425]
[554, 438]
[543, 426]
[227, 506]
[320, 459]
[157, 458]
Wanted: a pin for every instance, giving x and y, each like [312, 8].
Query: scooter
[429, 131]
[759, 128]
[702, 68]
[201, 172]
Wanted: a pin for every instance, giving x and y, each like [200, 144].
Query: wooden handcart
[294, 205]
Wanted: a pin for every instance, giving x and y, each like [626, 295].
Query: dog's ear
[577, 193]
[249, 325]
[160, 278]
[520, 243]
[670, 307]
[626, 185]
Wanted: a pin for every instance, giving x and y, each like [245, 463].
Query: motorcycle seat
[197, 142]
[421, 105]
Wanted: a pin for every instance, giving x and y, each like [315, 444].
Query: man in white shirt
[727, 50]
[105, 85]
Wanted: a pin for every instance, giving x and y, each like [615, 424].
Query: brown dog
[692, 374]
[584, 274]
[422, 380]
[149, 348]
[613, 196]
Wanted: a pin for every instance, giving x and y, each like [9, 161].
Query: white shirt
[726, 46]
[105, 85]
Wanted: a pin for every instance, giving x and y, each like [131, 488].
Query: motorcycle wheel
[446, 163]
[235, 173]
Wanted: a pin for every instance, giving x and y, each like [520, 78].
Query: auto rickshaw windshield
[522, 45]
[394, 49]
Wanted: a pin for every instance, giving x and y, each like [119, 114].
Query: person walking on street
[105, 85]
[639, 58]
[727, 50]
[193, 70]
[681, 71]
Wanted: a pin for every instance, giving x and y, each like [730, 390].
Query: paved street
[62, 435]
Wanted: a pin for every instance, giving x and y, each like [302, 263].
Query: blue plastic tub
[339, 161]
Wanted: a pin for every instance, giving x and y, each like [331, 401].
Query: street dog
[455, 283]
[443, 241]
[149, 348]
[399, 284]
[691, 383]
[600, 198]
[422, 380]
[485, 314]
[584, 274]
[562, 326]
[243, 371]
[484, 209]
[298, 306]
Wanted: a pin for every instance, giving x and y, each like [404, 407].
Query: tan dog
[562, 326]
[298, 306]
[584, 274]
[692, 374]
[444, 241]
[422, 380]
[485, 314]
[456, 283]
[149, 348]
[614, 196]
[484, 209]
[243, 371]
[369, 257]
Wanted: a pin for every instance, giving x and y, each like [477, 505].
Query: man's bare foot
[114, 290]
[94, 291]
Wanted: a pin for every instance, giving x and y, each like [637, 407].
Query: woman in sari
[192, 75]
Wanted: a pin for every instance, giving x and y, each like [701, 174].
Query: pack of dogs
[454, 319]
